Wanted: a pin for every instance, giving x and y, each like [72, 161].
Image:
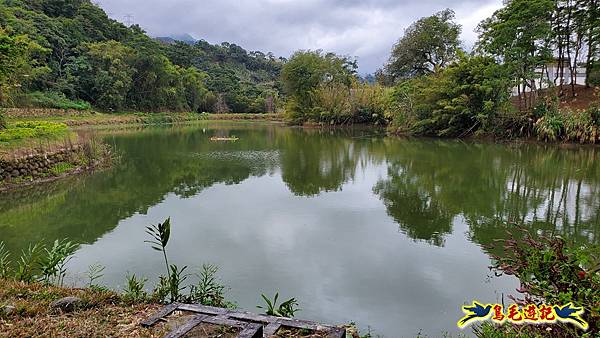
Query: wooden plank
[337, 333]
[187, 327]
[225, 321]
[165, 311]
[271, 329]
[251, 330]
[252, 317]
[203, 309]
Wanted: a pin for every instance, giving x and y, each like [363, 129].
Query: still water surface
[389, 233]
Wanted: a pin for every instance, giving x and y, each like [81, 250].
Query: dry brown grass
[103, 313]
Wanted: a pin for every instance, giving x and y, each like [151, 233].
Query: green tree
[458, 101]
[193, 87]
[520, 35]
[18, 63]
[104, 73]
[428, 45]
[305, 72]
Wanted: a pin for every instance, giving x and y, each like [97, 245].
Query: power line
[128, 19]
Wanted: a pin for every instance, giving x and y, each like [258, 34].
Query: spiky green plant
[52, 264]
[209, 291]
[134, 290]
[28, 263]
[95, 272]
[160, 235]
[286, 309]
[4, 261]
[171, 286]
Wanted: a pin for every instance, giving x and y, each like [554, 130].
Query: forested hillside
[70, 54]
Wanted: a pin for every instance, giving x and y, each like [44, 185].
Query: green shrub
[594, 79]
[134, 291]
[209, 291]
[463, 99]
[341, 104]
[53, 100]
[580, 126]
[61, 168]
[553, 272]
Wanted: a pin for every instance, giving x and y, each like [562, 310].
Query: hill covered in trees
[70, 54]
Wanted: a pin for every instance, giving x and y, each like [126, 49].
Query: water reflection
[330, 204]
[426, 185]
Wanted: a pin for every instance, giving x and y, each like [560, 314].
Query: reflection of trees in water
[428, 183]
[316, 161]
[154, 164]
[548, 189]
[418, 215]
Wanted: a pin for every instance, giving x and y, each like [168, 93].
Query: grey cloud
[364, 29]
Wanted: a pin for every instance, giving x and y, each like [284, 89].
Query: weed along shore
[33, 297]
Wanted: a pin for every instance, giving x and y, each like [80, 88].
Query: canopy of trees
[427, 46]
[72, 48]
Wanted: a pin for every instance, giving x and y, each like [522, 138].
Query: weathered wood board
[251, 325]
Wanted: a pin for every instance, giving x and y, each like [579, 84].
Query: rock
[67, 304]
[8, 310]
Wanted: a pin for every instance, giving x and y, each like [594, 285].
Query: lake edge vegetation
[550, 271]
[75, 57]
[33, 284]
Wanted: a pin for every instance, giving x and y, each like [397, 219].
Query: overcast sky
[365, 29]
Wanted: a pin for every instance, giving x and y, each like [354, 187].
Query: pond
[390, 233]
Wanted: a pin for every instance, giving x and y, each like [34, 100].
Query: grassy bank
[84, 118]
[26, 311]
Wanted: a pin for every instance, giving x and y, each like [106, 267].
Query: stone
[67, 304]
[8, 310]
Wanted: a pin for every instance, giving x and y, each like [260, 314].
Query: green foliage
[52, 263]
[51, 100]
[286, 309]
[61, 168]
[134, 291]
[4, 261]
[75, 49]
[170, 288]
[461, 100]
[28, 263]
[428, 45]
[160, 235]
[555, 273]
[94, 273]
[575, 126]
[594, 75]
[359, 103]
[306, 73]
[208, 291]
[104, 73]
[33, 129]
[18, 64]
[520, 34]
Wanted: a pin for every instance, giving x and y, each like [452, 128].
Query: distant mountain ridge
[187, 38]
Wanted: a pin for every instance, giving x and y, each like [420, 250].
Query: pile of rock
[35, 166]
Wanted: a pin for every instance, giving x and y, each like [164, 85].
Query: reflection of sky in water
[339, 253]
